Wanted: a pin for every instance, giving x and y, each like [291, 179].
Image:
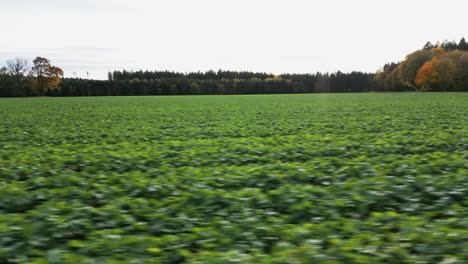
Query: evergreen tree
[462, 45]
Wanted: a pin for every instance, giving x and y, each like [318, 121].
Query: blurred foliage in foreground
[349, 178]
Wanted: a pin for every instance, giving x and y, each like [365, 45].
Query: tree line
[199, 84]
[208, 75]
[435, 67]
[17, 79]
[448, 45]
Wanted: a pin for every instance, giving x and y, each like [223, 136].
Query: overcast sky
[295, 36]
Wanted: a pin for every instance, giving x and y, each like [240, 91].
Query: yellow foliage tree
[438, 52]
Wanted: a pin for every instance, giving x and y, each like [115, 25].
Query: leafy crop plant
[322, 178]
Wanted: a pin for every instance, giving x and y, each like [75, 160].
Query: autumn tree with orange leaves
[445, 72]
[45, 76]
[433, 68]
[438, 74]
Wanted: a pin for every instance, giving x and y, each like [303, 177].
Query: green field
[319, 178]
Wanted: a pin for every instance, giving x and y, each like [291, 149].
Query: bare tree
[18, 68]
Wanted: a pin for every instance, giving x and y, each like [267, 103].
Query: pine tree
[462, 45]
[428, 46]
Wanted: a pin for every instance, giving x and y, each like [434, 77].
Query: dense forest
[126, 83]
[435, 67]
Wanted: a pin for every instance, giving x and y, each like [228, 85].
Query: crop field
[318, 178]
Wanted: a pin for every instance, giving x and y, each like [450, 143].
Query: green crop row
[343, 178]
